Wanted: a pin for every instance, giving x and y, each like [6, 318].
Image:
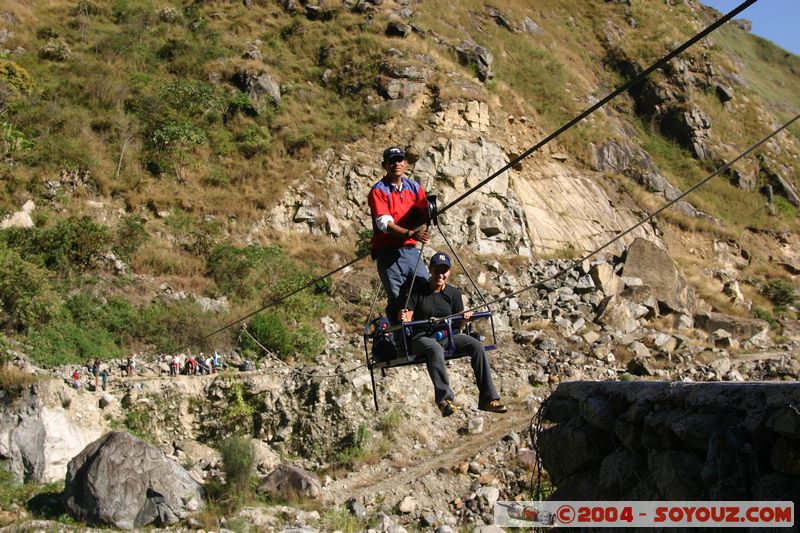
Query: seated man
[435, 298]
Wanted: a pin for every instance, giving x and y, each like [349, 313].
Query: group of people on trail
[399, 212]
[94, 369]
[192, 365]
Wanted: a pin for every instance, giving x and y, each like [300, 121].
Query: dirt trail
[385, 477]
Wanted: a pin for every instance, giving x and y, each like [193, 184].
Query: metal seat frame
[405, 357]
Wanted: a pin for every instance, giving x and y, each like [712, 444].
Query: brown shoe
[493, 406]
[447, 407]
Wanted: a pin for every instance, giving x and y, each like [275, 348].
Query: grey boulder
[123, 481]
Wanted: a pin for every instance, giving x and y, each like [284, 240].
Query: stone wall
[673, 441]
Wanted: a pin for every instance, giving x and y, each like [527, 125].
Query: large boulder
[739, 327]
[289, 482]
[656, 269]
[123, 481]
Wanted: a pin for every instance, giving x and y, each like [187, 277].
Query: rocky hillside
[160, 158]
[169, 167]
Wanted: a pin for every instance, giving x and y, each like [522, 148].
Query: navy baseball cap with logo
[393, 153]
[440, 259]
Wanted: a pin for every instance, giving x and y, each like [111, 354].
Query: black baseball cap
[393, 153]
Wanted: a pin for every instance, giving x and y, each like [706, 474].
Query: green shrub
[763, 314]
[169, 326]
[272, 332]
[197, 235]
[241, 273]
[353, 446]
[340, 519]
[253, 141]
[238, 413]
[71, 244]
[12, 139]
[174, 135]
[390, 422]
[139, 422]
[308, 341]
[26, 295]
[24, 495]
[130, 236]
[288, 328]
[216, 178]
[238, 460]
[85, 327]
[64, 341]
[281, 335]
[780, 292]
[15, 76]
[188, 97]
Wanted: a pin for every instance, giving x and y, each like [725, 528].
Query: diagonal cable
[658, 64]
[693, 188]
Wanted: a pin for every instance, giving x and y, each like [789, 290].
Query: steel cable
[645, 73]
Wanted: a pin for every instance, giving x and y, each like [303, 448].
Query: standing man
[398, 205]
[438, 299]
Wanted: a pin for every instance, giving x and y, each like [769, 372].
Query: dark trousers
[433, 353]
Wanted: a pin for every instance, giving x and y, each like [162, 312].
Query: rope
[413, 279]
[693, 188]
[658, 64]
[283, 298]
[372, 307]
[475, 285]
[294, 370]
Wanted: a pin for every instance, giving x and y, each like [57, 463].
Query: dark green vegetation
[46, 280]
[238, 463]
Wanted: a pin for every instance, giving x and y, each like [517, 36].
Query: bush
[240, 273]
[197, 235]
[130, 236]
[271, 331]
[281, 334]
[85, 328]
[192, 98]
[26, 297]
[763, 314]
[71, 244]
[172, 134]
[15, 76]
[390, 423]
[238, 459]
[55, 50]
[253, 141]
[780, 292]
[169, 326]
[64, 341]
[354, 446]
[288, 328]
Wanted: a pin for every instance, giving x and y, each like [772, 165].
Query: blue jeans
[396, 268]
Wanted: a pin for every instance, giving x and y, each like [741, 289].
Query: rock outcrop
[123, 481]
[673, 441]
[656, 269]
[44, 428]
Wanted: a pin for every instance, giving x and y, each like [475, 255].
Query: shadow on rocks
[46, 505]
